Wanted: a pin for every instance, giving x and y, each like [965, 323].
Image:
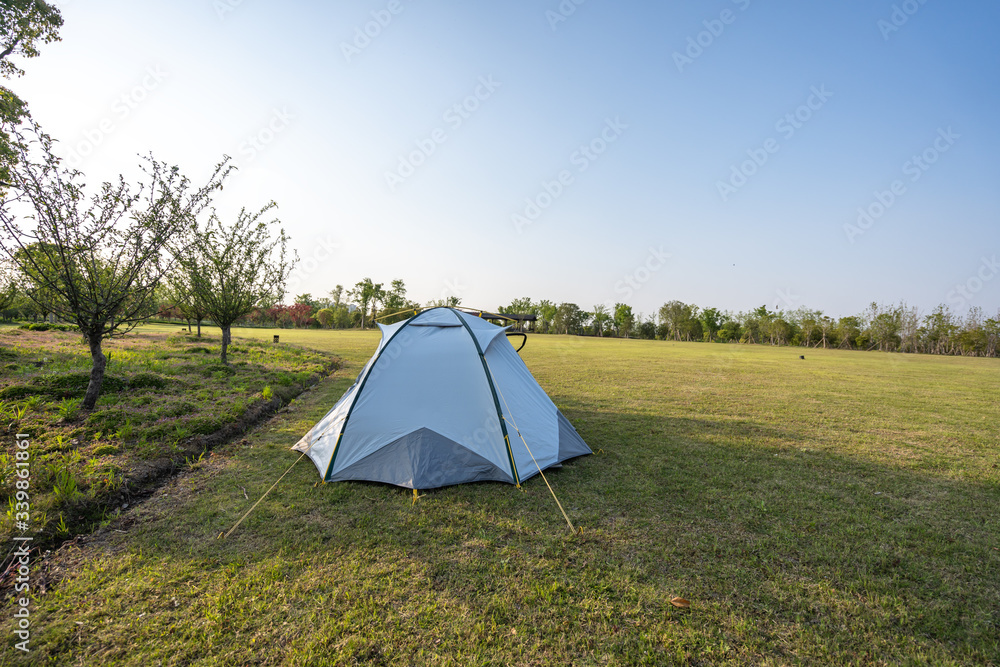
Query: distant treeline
[898, 328]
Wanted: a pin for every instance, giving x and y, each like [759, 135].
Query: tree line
[887, 328]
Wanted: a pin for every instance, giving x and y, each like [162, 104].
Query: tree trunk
[96, 373]
[225, 343]
[199, 327]
[189, 326]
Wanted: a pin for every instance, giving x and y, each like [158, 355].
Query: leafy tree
[308, 300]
[848, 331]
[909, 328]
[94, 261]
[826, 327]
[779, 330]
[342, 317]
[808, 323]
[397, 306]
[991, 328]
[522, 306]
[884, 324]
[624, 320]
[24, 25]
[326, 317]
[301, 314]
[758, 325]
[368, 295]
[568, 319]
[730, 330]
[711, 322]
[395, 298]
[447, 302]
[681, 320]
[939, 331]
[8, 286]
[601, 318]
[335, 295]
[647, 328]
[546, 313]
[690, 325]
[237, 268]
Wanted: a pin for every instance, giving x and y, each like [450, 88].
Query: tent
[444, 400]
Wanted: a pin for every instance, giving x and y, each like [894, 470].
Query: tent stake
[222, 537]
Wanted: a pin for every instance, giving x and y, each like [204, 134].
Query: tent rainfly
[444, 400]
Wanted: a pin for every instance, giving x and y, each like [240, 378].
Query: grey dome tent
[444, 400]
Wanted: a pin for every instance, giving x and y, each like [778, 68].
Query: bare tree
[236, 268]
[95, 261]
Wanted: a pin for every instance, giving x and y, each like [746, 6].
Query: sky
[726, 153]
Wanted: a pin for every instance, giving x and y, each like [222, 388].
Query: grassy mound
[159, 405]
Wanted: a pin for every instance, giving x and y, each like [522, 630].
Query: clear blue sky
[667, 121]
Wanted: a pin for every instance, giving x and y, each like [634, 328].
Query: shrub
[67, 385]
[107, 420]
[178, 409]
[45, 326]
[68, 409]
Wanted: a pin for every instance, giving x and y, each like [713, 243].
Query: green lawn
[837, 509]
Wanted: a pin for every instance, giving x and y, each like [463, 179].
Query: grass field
[841, 508]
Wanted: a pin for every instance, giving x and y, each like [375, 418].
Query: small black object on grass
[802, 356]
